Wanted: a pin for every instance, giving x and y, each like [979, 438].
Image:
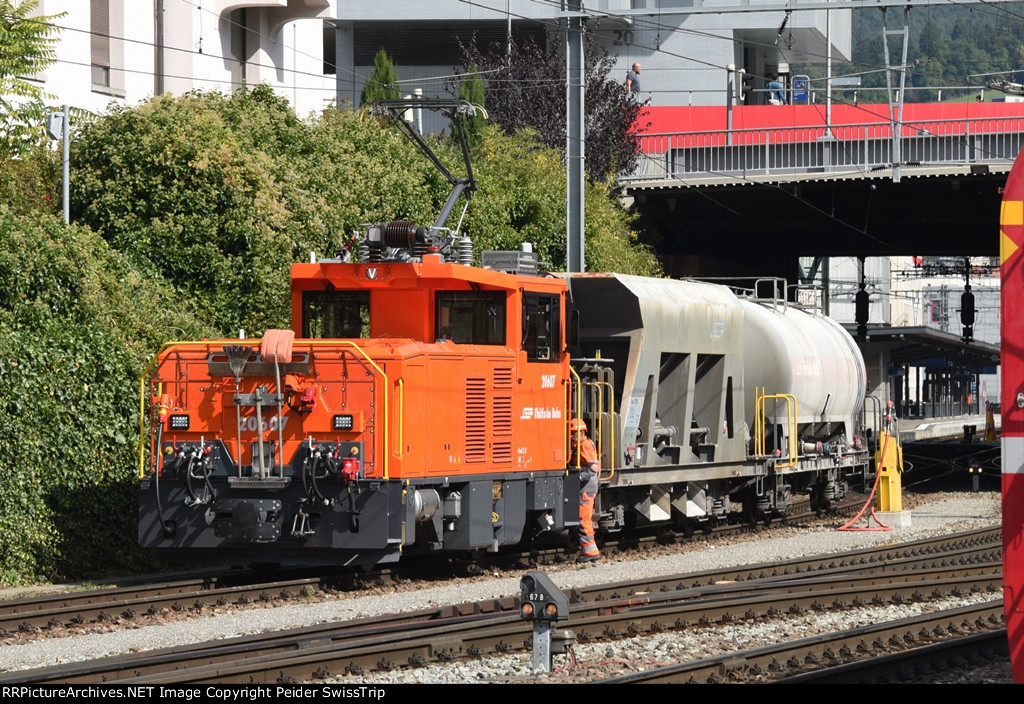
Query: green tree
[27, 47]
[383, 83]
[522, 199]
[521, 94]
[471, 88]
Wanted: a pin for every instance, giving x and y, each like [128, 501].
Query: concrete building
[125, 51]
[684, 56]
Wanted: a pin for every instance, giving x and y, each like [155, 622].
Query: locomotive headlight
[343, 422]
[179, 421]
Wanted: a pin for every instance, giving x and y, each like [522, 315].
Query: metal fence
[849, 148]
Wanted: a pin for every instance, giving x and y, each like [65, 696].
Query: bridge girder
[748, 227]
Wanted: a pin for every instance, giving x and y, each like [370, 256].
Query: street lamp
[57, 128]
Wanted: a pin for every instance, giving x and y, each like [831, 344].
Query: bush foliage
[77, 324]
[187, 213]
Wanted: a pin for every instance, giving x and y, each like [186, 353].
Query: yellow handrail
[579, 401]
[761, 420]
[304, 343]
[611, 415]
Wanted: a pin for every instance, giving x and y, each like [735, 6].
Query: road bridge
[780, 183]
[731, 196]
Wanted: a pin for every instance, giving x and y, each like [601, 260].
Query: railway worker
[583, 455]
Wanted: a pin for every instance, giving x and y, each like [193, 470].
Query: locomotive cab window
[336, 314]
[542, 330]
[471, 317]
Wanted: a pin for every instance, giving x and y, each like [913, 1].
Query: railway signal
[542, 602]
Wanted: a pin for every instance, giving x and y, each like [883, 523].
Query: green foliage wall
[77, 324]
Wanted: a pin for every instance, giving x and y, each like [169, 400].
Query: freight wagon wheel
[684, 525]
[764, 510]
[821, 500]
[749, 508]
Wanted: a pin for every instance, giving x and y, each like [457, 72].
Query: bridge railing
[848, 148]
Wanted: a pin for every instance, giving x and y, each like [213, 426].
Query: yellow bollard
[990, 425]
[889, 464]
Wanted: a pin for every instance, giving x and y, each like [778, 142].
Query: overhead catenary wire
[330, 89]
[439, 78]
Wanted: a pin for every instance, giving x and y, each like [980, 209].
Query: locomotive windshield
[336, 314]
[471, 317]
[541, 327]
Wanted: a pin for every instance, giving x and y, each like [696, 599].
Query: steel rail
[770, 662]
[356, 647]
[907, 666]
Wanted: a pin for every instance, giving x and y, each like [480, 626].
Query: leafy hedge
[77, 324]
[220, 194]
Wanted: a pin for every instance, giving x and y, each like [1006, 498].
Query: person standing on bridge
[633, 79]
[776, 93]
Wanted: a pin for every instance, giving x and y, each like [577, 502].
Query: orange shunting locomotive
[417, 403]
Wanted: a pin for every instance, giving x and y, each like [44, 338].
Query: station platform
[939, 429]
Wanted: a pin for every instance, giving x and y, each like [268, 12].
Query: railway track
[135, 603]
[925, 569]
[54, 611]
[774, 663]
[924, 664]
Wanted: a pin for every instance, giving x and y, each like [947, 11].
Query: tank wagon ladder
[761, 422]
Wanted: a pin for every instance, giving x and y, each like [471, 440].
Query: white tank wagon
[671, 371]
[811, 358]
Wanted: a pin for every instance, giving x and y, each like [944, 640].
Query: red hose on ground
[868, 505]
